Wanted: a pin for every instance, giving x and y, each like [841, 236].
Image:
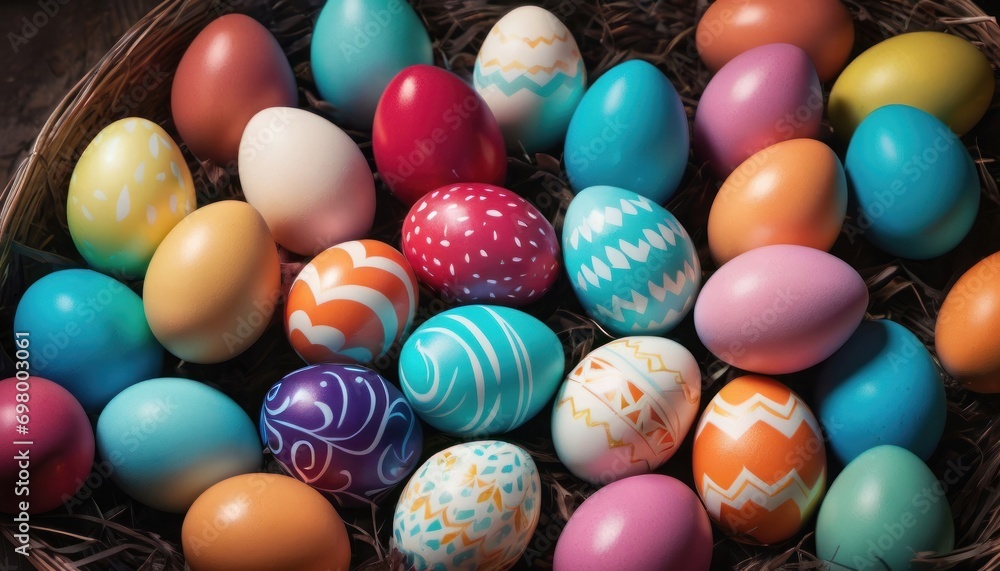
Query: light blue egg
[88, 333]
[630, 131]
[478, 370]
[631, 263]
[914, 187]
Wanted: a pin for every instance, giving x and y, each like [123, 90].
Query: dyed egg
[343, 430]
[793, 192]
[213, 284]
[530, 73]
[631, 263]
[470, 507]
[759, 462]
[626, 408]
[233, 69]
[307, 178]
[763, 96]
[87, 333]
[630, 131]
[940, 73]
[914, 184]
[967, 334]
[264, 522]
[171, 439]
[357, 47]
[641, 523]
[481, 243]
[130, 187]
[431, 129]
[351, 303]
[480, 369]
[884, 508]
[780, 309]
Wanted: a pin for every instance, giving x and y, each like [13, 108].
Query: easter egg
[342, 429]
[631, 263]
[357, 47]
[793, 192]
[130, 187]
[759, 461]
[88, 333]
[939, 73]
[264, 522]
[884, 508]
[780, 309]
[431, 129]
[481, 243]
[530, 73]
[233, 69]
[626, 408]
[763, 96]
[480, 369]
[212, 285]
[641, 523]
[469, 507]
[171, 439]
[630, 131]
[913, 183]
[351, 303]
[307, 178]
[967, 333]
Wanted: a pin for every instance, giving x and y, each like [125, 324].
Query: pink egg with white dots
[479, 243]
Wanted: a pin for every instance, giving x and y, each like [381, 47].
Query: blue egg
[881, 387]
[913, 185]
[631, 263]
[478, 370]
[358, 46]
[630, 130]
[88, 333]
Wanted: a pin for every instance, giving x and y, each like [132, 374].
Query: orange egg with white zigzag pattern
[759, 460]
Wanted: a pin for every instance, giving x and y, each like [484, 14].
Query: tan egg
[213, 283]
[967, 335]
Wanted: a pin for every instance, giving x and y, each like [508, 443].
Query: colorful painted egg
[472, 507]
[351, 303]
[631, 263]
[478, 369]
[626, 408]
[967, 334]
[530, 73]
[130, 187]
[343, 430]
[759, 461]
[481, 243]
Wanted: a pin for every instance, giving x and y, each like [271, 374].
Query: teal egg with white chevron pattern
[632, 265]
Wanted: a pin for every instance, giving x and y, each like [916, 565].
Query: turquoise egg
[358, 46]
[88, 332]
[913, 186]
[631, 263]
[478, 370]
[882, 509]
[630, 130]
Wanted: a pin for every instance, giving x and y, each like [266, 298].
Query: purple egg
[342, 429]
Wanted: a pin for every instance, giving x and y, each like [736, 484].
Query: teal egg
[883, 508]
[914, 188]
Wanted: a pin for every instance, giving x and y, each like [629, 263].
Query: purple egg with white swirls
[342, 429]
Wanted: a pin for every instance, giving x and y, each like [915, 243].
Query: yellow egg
[130, 187]
[942, 74]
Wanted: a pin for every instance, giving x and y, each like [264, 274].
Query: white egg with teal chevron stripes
[631, 263]
[530, 73]
[473, 506]
[478, 370]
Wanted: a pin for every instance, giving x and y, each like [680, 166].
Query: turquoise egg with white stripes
[631, 263]
[478, 370]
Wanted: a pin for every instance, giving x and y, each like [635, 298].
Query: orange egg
[967, 335]
[793, 192]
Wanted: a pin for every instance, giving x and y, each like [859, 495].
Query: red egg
[432, 129]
